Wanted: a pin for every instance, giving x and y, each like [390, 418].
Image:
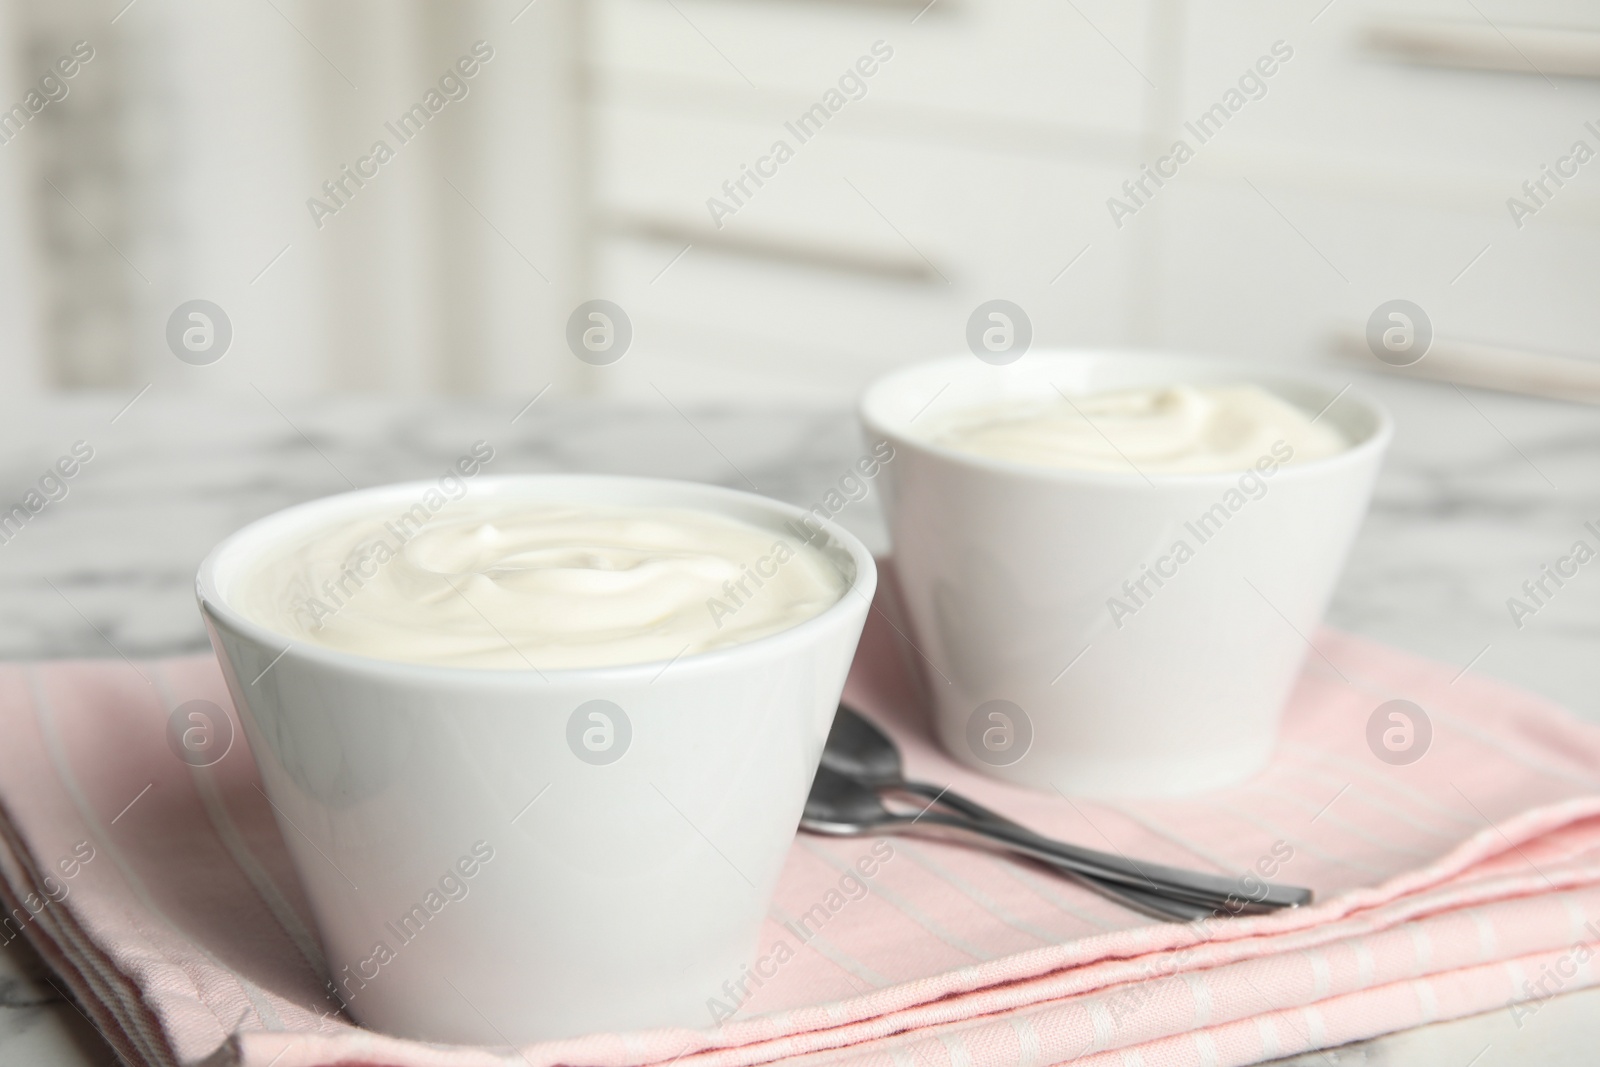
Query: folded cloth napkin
[1465, 881]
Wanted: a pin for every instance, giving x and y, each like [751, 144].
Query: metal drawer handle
[1507, 370]
[801, 253]
[1481, 46]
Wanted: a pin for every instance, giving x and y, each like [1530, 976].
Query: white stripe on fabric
[1030, 1053]
[1316, 1028]
[901, 904]
[1321, 977]
[1488, 943]
[831, 952]
[1194, 848]
[1421, 946]
[902, 1056]
[957, 1050]
[1355, 769]
[1427, 1001]
[63, 767]
[1366, 966]
[1505, 745]
[1047, 892]
[1132, 1058]
[1320, 812]
[228, 833]
[1298, 842]
[1354, 791]
[1100, 1019]
[1205, 1048]
[976, 895]
[1584, 943]
[1576, 919]
[1200, 993]
[1516, 976]
[114, 991]
[1267, 1029]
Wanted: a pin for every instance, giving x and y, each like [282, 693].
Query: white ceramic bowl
[602, 896]
[1008, 572]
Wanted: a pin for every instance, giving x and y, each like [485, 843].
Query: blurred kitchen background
[975, 162]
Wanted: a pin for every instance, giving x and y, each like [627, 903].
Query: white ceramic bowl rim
[880, 424]
[694, 494]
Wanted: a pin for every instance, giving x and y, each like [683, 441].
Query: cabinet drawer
[1235, 275]
[1030, 62]
[1341, 104]
[861, 253]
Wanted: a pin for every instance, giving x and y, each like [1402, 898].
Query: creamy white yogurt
[1166, 430]
[491, 584]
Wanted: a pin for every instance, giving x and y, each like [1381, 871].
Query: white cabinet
[862, 253]
[965, 62]
[1357, 179]
[979, 161]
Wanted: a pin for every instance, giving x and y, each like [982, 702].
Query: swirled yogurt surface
[495, 585]
[1167, 430]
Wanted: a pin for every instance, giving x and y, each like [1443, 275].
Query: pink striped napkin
[1466, 881]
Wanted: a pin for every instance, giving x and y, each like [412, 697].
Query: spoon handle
[1155, 903]
[1030, 845]
[1198, 886]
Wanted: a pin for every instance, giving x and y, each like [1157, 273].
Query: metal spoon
[843, 807]
[857, 749]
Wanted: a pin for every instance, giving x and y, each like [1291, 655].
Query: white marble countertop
[1479, 492]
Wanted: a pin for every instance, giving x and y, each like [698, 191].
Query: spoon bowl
[859, 760]
[842, 806]
[839, 806]
[858, 749]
